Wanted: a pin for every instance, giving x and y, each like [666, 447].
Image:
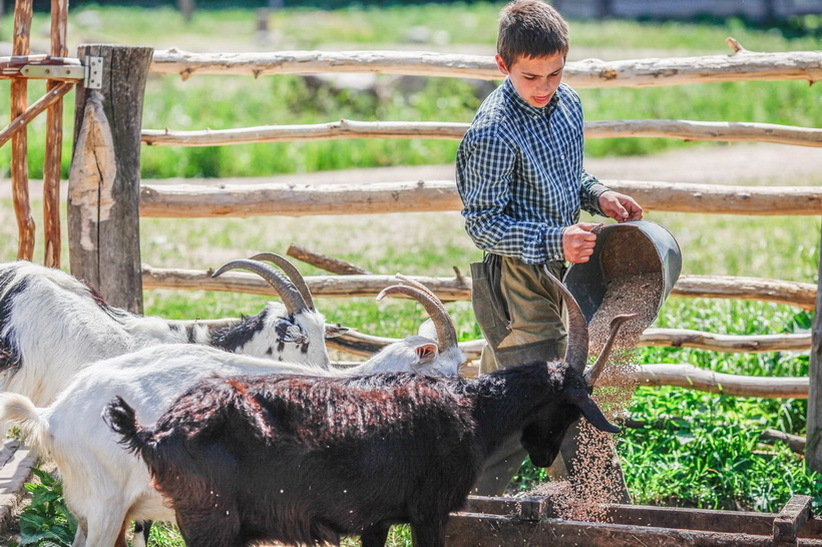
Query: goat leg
[376, 535]
[428, 533]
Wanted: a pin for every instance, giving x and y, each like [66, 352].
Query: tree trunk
[104, 181]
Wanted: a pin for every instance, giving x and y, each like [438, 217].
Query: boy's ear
[501, 64]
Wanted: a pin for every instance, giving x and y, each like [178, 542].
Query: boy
[522, 184]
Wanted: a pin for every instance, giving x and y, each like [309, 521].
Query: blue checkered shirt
[520, 174]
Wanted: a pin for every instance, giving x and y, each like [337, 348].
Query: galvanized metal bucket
[624, 249]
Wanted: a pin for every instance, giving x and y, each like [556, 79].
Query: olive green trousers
[519, 311]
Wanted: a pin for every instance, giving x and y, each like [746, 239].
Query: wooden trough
[533, 522]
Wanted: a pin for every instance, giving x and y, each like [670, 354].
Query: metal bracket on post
[94, 73]
[54, 72]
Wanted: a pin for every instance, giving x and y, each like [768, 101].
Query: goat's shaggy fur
[304, 460]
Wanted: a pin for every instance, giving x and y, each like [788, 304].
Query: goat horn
[576, 354]
[414, 283]
[592, 373]
[292, 272]
[446, 332]
[291, 297]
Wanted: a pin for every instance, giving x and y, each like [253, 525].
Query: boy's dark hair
[530, 28]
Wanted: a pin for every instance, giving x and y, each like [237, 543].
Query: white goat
[52, 325]
[104, 485]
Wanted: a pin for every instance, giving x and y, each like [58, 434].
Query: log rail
[798, 294]
[349, 129]
[651, 72]
[163, 200]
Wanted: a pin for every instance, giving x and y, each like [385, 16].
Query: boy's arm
[596, 198]
[589, 193]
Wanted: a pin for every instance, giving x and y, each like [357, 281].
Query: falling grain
[598, 478]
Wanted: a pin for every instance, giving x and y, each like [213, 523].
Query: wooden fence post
[813, 446]
[19, 142]
[104, 180]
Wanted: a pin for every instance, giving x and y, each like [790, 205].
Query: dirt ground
[739, 163]
[733, 164]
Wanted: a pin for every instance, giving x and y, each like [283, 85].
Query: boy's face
[535, 79]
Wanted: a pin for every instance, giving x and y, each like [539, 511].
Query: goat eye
[289, 332]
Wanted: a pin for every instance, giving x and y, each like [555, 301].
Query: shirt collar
[509, 91]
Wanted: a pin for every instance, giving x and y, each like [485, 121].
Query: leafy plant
[47, 521]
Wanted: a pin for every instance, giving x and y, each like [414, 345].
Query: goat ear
[593, 414]
[426, 351]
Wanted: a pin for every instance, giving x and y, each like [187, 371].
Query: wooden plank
[19, 141]
[361, 343]
[692, 377]
[534, 508]
[324, 262]
[452, 288]
[483, 530]
[348, 129]
[691, 519]
[796, 516]
[791, 520]
[54, 142]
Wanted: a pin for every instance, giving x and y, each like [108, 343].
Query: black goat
[303, 460]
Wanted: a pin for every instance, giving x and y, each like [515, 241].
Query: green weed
[47, 521]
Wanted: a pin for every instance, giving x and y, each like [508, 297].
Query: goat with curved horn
[446, 332]
[291, 271]
[290, 295]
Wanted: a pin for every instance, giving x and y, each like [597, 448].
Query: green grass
[704, 450]
[224, 101]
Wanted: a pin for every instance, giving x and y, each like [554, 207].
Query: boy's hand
[619, 207]
[578, 242]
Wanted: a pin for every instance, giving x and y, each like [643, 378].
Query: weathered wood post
[104, 180]
[54, 142]
[813, 446]
[19, 142]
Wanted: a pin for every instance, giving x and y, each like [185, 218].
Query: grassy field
[708, 452]
[223, 102]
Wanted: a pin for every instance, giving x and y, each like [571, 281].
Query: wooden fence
[106, 197]
[60, 75]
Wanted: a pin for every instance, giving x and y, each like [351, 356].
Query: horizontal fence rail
[589, 73]
[359, 343]
[348, 129]
[364, 344]
[160, 200]
[802, 295]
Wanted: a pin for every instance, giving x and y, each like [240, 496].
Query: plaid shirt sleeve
[520, 175]
[484, 174]
[590, 192]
